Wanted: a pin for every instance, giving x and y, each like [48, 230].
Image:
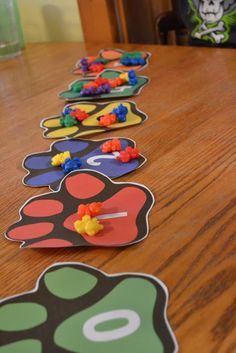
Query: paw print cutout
[42, 173]
[112, 59]
[77, 308]
[48, 220]
[126, 90]
[53, 128]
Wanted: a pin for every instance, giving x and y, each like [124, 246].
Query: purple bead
[84, 61]
[84, 68]
[107, 88]
[99, 90]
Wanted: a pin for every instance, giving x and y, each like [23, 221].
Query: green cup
[10, 31]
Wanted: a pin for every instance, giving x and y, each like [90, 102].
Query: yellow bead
[88, 225]
[124, 76]
[60, 158]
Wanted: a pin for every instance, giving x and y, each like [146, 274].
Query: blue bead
[121, 112]
[71, 164]
[126, 61]
[66, 111]
[142, 61]
[131, 74]
[122, 118]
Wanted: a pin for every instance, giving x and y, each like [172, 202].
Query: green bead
[68, 121]
[69, 283]
[21, 316]
[77, 86]
[62, 120]
[134, 55]
[24, 346]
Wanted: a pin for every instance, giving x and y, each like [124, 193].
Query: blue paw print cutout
[42, 173]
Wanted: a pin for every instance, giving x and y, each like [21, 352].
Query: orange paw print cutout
[111, 59]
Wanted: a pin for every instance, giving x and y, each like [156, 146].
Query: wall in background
[50, 20]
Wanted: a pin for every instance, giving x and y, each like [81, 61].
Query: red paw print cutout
[47, 220]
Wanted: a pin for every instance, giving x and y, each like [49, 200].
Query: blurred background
[50, 20]
[130, 21]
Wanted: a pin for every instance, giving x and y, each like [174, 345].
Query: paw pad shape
[76, 308]
[48, 220]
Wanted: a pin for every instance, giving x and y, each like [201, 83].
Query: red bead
[128, 154]
[124, 157]
[101, 81]
[96, 67]
[133, 152]
[79, 114]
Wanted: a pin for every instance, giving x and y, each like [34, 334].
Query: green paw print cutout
[77, 308]
[127, 90]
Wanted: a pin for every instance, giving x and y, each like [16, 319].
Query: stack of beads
[132, 59]
[93, 64]
[103, 85]
[87, 223]
[70, 117]
[97, 64]
[117, 115]
[66, 162]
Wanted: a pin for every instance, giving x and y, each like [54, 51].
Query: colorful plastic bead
[90, 209]
[124, 76]
[92, 91]
[88, 225]
[128, 154]
[79, 114]
[92, 84]
[132, 59]
[111, 146]
[67, 121]
[71, 164]
[77, 86]
[60, 158]
[84, 64]
[132, 78]
[67, 111]
[133, 152]
[107, 120]
[101, 81]
[121, 112]
[124, 157]
[93, 64]
[96, 67]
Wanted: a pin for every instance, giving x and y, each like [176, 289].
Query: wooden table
[189, 140]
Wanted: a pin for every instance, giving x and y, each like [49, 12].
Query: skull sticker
[214, 18]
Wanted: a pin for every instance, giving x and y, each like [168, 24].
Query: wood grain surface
[189, 140]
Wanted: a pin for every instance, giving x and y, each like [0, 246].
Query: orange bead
[95, 208]
[107, 120]
[112, 83]
[90, 84]
[111, 146]
[91, 209]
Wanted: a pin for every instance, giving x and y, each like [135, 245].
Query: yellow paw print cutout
[88, 225]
